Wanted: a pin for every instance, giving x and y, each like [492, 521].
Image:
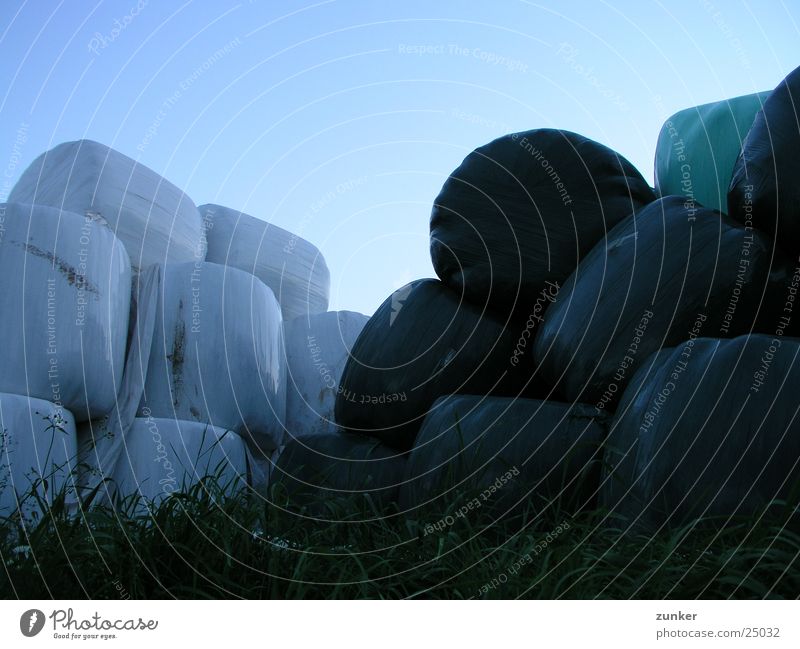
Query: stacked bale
[764, 191]
[165, 456]
[500, 453]
[697, 149]
[156, 221]
[522, 210]
[711, 430]
[545, 225]
[38, 455]
[422, 343]
[293, 268]
[317, 350]
[66, 283]
[217, 355]
[314, 470]
[672, 271]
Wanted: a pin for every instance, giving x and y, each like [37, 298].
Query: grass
[203, 544]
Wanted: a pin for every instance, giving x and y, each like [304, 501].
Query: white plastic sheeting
[105, 438]
[154, 219]
[317, 349]
[65, 286]
[217, 355]
[38, 452]
[293, 268]
[165, 456]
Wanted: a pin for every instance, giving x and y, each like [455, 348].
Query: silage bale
[764, 190]
[697, 149]
[314, 470]
[424, 342]
[38, 455]
[710, 428]
[672, 271]
[497, 455]
[292, 267]
[156, 221]
[65, 286]
[522, 210]
[317, 350]
[161, 457]
[217, 355]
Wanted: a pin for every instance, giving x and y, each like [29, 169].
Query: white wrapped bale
[114, 427]
[293, 268]
[165, 456]
[38, 454]
[217, 355]
[154, 219]
[317, 350]
[65, 286]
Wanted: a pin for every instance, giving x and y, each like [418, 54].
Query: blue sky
[340, 120]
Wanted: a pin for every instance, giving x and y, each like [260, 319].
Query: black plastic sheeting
[499, 454]
[523, 209]
[671, 272]
[337, 469]
[765, 186]
[711, 430]
[424, 342]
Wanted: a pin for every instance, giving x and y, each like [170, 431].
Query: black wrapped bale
[522, 210]
[315, 470]
[711, 430]
[672, 271]
[424, 342]
[498, 454]
[765, 187]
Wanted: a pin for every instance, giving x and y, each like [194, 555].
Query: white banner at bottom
[384, 625]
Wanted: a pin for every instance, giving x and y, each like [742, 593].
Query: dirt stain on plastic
[73, 277]
[176, 357]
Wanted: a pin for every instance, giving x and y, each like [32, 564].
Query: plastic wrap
[154, 219]
[293, 268]
[160, 457]
[104, 438]
[317, 349]
[218, 355]
[671, 272]
[315, 469]
[697, 148]
[38, 455]
[504, 453]
[422, 343]
[764, 190]
[522, 210]
[712, 430]
[65, 286]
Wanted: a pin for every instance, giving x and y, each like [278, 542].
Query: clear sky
[340, 119]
